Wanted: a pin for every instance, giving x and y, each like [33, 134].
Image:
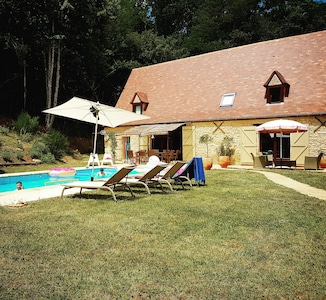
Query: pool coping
[35, 194]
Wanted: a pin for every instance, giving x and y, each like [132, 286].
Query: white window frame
[227, 100]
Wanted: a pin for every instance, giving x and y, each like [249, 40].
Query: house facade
[229, 93]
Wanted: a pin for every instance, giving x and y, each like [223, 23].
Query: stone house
[229, 93]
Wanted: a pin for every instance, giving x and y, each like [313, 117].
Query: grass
[239, 237]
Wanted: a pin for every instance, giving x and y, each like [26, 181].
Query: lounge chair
[147, 178]
[167, 177]
[312, 162]
[194, 169]
[110, 185]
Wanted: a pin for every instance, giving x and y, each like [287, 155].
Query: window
[276, 88]
[137, 109]
[227, 100]
[139, 103]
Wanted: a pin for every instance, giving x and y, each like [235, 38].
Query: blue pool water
[8, 183]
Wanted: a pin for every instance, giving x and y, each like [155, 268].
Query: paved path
[293, 184]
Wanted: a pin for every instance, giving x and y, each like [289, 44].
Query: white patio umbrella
[95, 113]
[283, 127]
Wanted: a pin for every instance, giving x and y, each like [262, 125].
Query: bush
[26, 136]
[57, 143]
[38, 149]
[20, 155]
[4, 130]
[20, 144]
[48, 158]
[26, 123]
[6, 155]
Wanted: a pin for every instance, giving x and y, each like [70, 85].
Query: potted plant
[225, 151]
[207, 161]
[322, 163]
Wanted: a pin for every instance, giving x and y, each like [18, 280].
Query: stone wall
[219, 129]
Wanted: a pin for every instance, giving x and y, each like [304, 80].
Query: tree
[12, 40]
[223, 24]
[88, 48]
[282, 18]
[173, 16]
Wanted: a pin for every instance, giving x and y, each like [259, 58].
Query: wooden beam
[322, 123]
[218, 127]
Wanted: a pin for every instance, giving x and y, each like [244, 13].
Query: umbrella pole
[94, 146]
[281, 149]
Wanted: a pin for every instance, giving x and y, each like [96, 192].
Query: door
[248, 144]
[188, 146]
[299, 146]
[126, 147]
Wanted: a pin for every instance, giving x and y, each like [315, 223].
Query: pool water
[35, 180]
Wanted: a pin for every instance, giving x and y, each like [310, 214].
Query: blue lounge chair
[194, 169]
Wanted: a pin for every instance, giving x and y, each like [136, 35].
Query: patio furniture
[107, 159]
[153, 152]
[141, 156]
[109, 185]
[177, 154]
[130, 157]
[285, 162]
[93, 160]
[312, 162]
[194, 169]
[147, 178]
[167, 177]
[259, 161]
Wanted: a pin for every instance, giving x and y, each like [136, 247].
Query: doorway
[279, 144]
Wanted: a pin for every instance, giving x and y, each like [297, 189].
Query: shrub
[225, 149]
[48, 158]
[20, 144]
[26, 123]
[38, 149]
[20, 155]
[4, 130]
[6, 155]
[57, 143]
[25, 136]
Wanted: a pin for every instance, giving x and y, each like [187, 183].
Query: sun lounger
[147, 178]
[109, 185]
[167, 177]
[194, 169]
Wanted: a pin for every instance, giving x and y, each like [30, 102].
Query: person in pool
[19, 185]
[101, 173]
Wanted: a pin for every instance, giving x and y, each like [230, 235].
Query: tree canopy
[52, 50]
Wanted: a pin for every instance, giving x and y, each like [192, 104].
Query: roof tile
[191, 89]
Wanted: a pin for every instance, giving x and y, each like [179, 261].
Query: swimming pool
[43, 179]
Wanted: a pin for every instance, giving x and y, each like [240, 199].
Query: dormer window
[139, 103]
[276, 88]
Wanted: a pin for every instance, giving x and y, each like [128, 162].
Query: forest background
[52, 50]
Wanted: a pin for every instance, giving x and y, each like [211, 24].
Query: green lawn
[239, 237]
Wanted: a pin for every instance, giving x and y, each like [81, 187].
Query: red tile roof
[191, 89]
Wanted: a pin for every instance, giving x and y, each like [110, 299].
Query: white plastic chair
[107, 158]
[92, 160]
